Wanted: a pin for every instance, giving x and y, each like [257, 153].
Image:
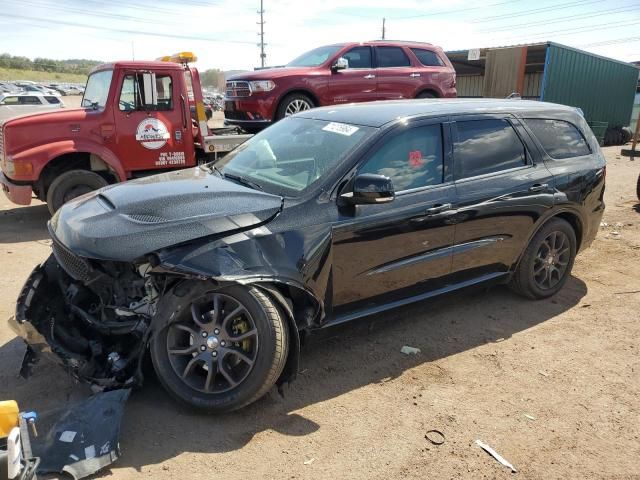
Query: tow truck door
[153, 127]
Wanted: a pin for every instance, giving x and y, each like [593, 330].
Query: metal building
[602, 87]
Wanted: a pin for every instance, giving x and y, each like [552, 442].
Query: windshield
[291, 155]
[315, 57]
[97, 89]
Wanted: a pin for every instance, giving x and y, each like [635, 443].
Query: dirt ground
[553, 386]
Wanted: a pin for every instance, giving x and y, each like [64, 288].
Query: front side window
[391, 57]
[132, 93]
[359, 57]
[486, 146]
[412, 159]
[293, 154]
[559, 139]
[97, 89]
[427, 57]
[315, 57]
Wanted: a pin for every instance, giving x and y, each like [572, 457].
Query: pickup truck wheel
[224, 348]
[70, 185]
[638, 188]
[426, 95]
[292, 104]
[547, 262]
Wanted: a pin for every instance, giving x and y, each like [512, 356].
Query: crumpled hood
[125, 221]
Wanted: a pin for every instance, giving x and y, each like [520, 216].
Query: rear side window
[427, 57]
[486, 146]
[52, 100]
[30, 101]
[559, 139]
[359, 57]
[391, 57]
[412, 159]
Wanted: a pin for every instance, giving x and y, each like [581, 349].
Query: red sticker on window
[415, 159]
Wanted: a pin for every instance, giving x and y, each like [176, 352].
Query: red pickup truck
[135, 120]
[336, 74]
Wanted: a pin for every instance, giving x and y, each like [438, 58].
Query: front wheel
[70, 185]
[223, 349]
[547, 262]
[292, 104]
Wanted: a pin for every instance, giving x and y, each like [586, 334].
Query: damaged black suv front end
[94, 316]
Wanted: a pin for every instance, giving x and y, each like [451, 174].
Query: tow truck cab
[135, 119]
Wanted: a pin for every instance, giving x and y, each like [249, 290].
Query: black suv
[329, 215]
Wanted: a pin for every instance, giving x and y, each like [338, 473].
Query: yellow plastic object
[9, 417]
[181, 57]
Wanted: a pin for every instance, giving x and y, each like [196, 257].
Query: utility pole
[262, 44]
[384, 20]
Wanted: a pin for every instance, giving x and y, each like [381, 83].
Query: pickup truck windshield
[97, 90]
[291, 155]
[315, 57]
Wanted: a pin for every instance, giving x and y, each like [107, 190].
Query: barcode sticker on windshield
[341, 128]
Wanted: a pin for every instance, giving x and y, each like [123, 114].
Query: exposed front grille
[77, 267]
[238, 88]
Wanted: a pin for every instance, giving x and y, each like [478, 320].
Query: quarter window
[359, 57]
[559, 139]
[412, 159]
[391, 57]
[52, 100]
[427, 57]
[486, 146]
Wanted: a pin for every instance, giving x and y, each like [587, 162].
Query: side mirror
[370, 188]
[340, 64]
[150, 89]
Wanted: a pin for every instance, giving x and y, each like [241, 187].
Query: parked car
[335, 74]
[33, 88]
[14, 104]
[333, 214]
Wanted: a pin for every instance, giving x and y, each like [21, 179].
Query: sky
[224, 33]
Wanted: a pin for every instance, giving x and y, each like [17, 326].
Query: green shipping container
[602, 87]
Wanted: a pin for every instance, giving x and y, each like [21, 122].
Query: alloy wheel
[297, 105]
[214, 349]
[552, 260]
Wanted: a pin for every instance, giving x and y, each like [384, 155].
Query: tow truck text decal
[170, 158]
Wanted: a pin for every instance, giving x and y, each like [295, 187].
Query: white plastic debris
[67, 436]
[530, 417]
[495, 455]
[310, 461]
[409, 350]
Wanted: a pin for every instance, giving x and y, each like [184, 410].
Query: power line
[122, 30]
[573, 31]
[561, 6]
[458, 10]
[615, 41]
[559, 20]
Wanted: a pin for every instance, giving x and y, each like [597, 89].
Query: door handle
[369, 76]
[414, 75]
[538, 187]
[438, 208]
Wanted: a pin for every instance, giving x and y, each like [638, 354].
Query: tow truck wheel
[70, 185]
[222, 348]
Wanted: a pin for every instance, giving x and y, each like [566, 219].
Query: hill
[38, 76]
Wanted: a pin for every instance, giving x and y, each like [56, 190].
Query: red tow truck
[136, 118]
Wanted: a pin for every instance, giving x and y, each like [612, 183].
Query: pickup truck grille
[238, 88]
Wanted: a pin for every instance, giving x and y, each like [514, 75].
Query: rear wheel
[426, 95]
[224, 348]
[70, 185]
[638, 188]
[292, 104]
[547, 262]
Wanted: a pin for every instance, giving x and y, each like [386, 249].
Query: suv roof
[377, 114]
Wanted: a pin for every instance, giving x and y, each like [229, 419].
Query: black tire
[267, 348]
[539, 276]
[426, 95]
[638, 188]
[72, 184]
[287, 105]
